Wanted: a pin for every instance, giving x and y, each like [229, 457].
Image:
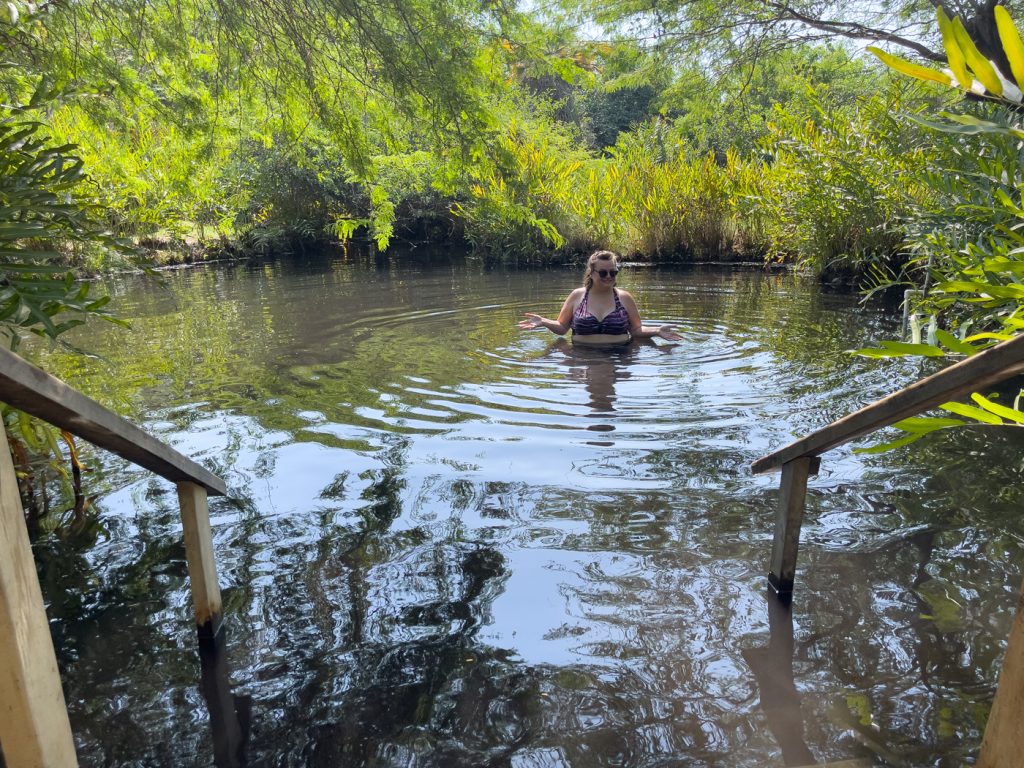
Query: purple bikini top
[615, 323]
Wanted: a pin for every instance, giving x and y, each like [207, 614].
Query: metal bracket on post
[790, 516]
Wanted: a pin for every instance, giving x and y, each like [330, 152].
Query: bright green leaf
[909, 68]
[923, 350]
[1012, 45]
[953, 344]
[954, 55]
[971, 412]
[927, 423]
[1000, 410]
[980, 66]
[884, 447]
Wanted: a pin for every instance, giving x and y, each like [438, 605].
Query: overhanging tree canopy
[716, 32]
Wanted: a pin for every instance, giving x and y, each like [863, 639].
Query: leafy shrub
[837, 191]
[47, 224]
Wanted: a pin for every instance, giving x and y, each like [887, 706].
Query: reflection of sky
[605, 501]
[538, 613]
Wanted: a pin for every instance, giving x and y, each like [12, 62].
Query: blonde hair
[596, 256]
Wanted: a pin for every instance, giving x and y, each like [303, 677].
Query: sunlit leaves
[838, 187]
[40, 220]
[954, 55]
[909, 68]
[1012, 414]
[968, 51]
[944, 343]
[1012, 45]
[966, 62]
[953, 344]
[901, 349]
[989, 413]
[971, 412]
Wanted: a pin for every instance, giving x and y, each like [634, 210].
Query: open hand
[670, 333]
[532, 322]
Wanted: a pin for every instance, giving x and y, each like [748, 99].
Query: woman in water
[599, 313]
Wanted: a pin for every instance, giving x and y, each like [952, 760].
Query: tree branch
[856, 31]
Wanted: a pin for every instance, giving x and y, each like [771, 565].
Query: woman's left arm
[640, 331]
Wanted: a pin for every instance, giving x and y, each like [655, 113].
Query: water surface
[451, 542]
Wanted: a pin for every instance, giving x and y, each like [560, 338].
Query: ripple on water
[450, 542]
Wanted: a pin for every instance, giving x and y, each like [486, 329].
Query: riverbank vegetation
[700, 132]
[226, 128]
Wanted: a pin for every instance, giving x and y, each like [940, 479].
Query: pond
[449, 542]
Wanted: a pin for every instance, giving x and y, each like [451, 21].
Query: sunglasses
[607, 272]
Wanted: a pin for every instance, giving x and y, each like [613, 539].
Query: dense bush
[838, 191]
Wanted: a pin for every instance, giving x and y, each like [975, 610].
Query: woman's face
[604, 271]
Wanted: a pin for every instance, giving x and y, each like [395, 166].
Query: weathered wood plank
[1004, 733]
[788, 519]
[34, 391]
[970, 375]
[202, 567]
[34, 727]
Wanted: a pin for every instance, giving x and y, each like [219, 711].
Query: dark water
[453, 543]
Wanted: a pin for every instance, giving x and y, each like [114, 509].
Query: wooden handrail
[799, 460]
[973, 373]
[35, 728]
[39, 394]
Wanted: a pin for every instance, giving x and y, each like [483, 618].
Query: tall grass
[630, 201]
[833, 191]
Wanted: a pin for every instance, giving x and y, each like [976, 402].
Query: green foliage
[838, 189]
[968, 240]
[728, 34]
[170, 101]
[509, 204]
[609, 113]
[684, 206]
[629, 201]
[48, 226]
[296, 192]
[44, 219]
[39, 464]
[737, 109]
[988, 413]
[967, 62]
[156, 179]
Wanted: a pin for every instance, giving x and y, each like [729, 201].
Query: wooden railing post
[1004, 733]
[788, 519]
[202, 568]
[34, 727]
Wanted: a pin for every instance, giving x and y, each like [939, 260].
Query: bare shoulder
[573, 300]
[626, 297]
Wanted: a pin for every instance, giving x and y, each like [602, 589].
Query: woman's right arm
[559, 326]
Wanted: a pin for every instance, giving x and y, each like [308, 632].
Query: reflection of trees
[915, 650]
[114, 618]
[408, 678]
[408, 626]
[358, 635]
